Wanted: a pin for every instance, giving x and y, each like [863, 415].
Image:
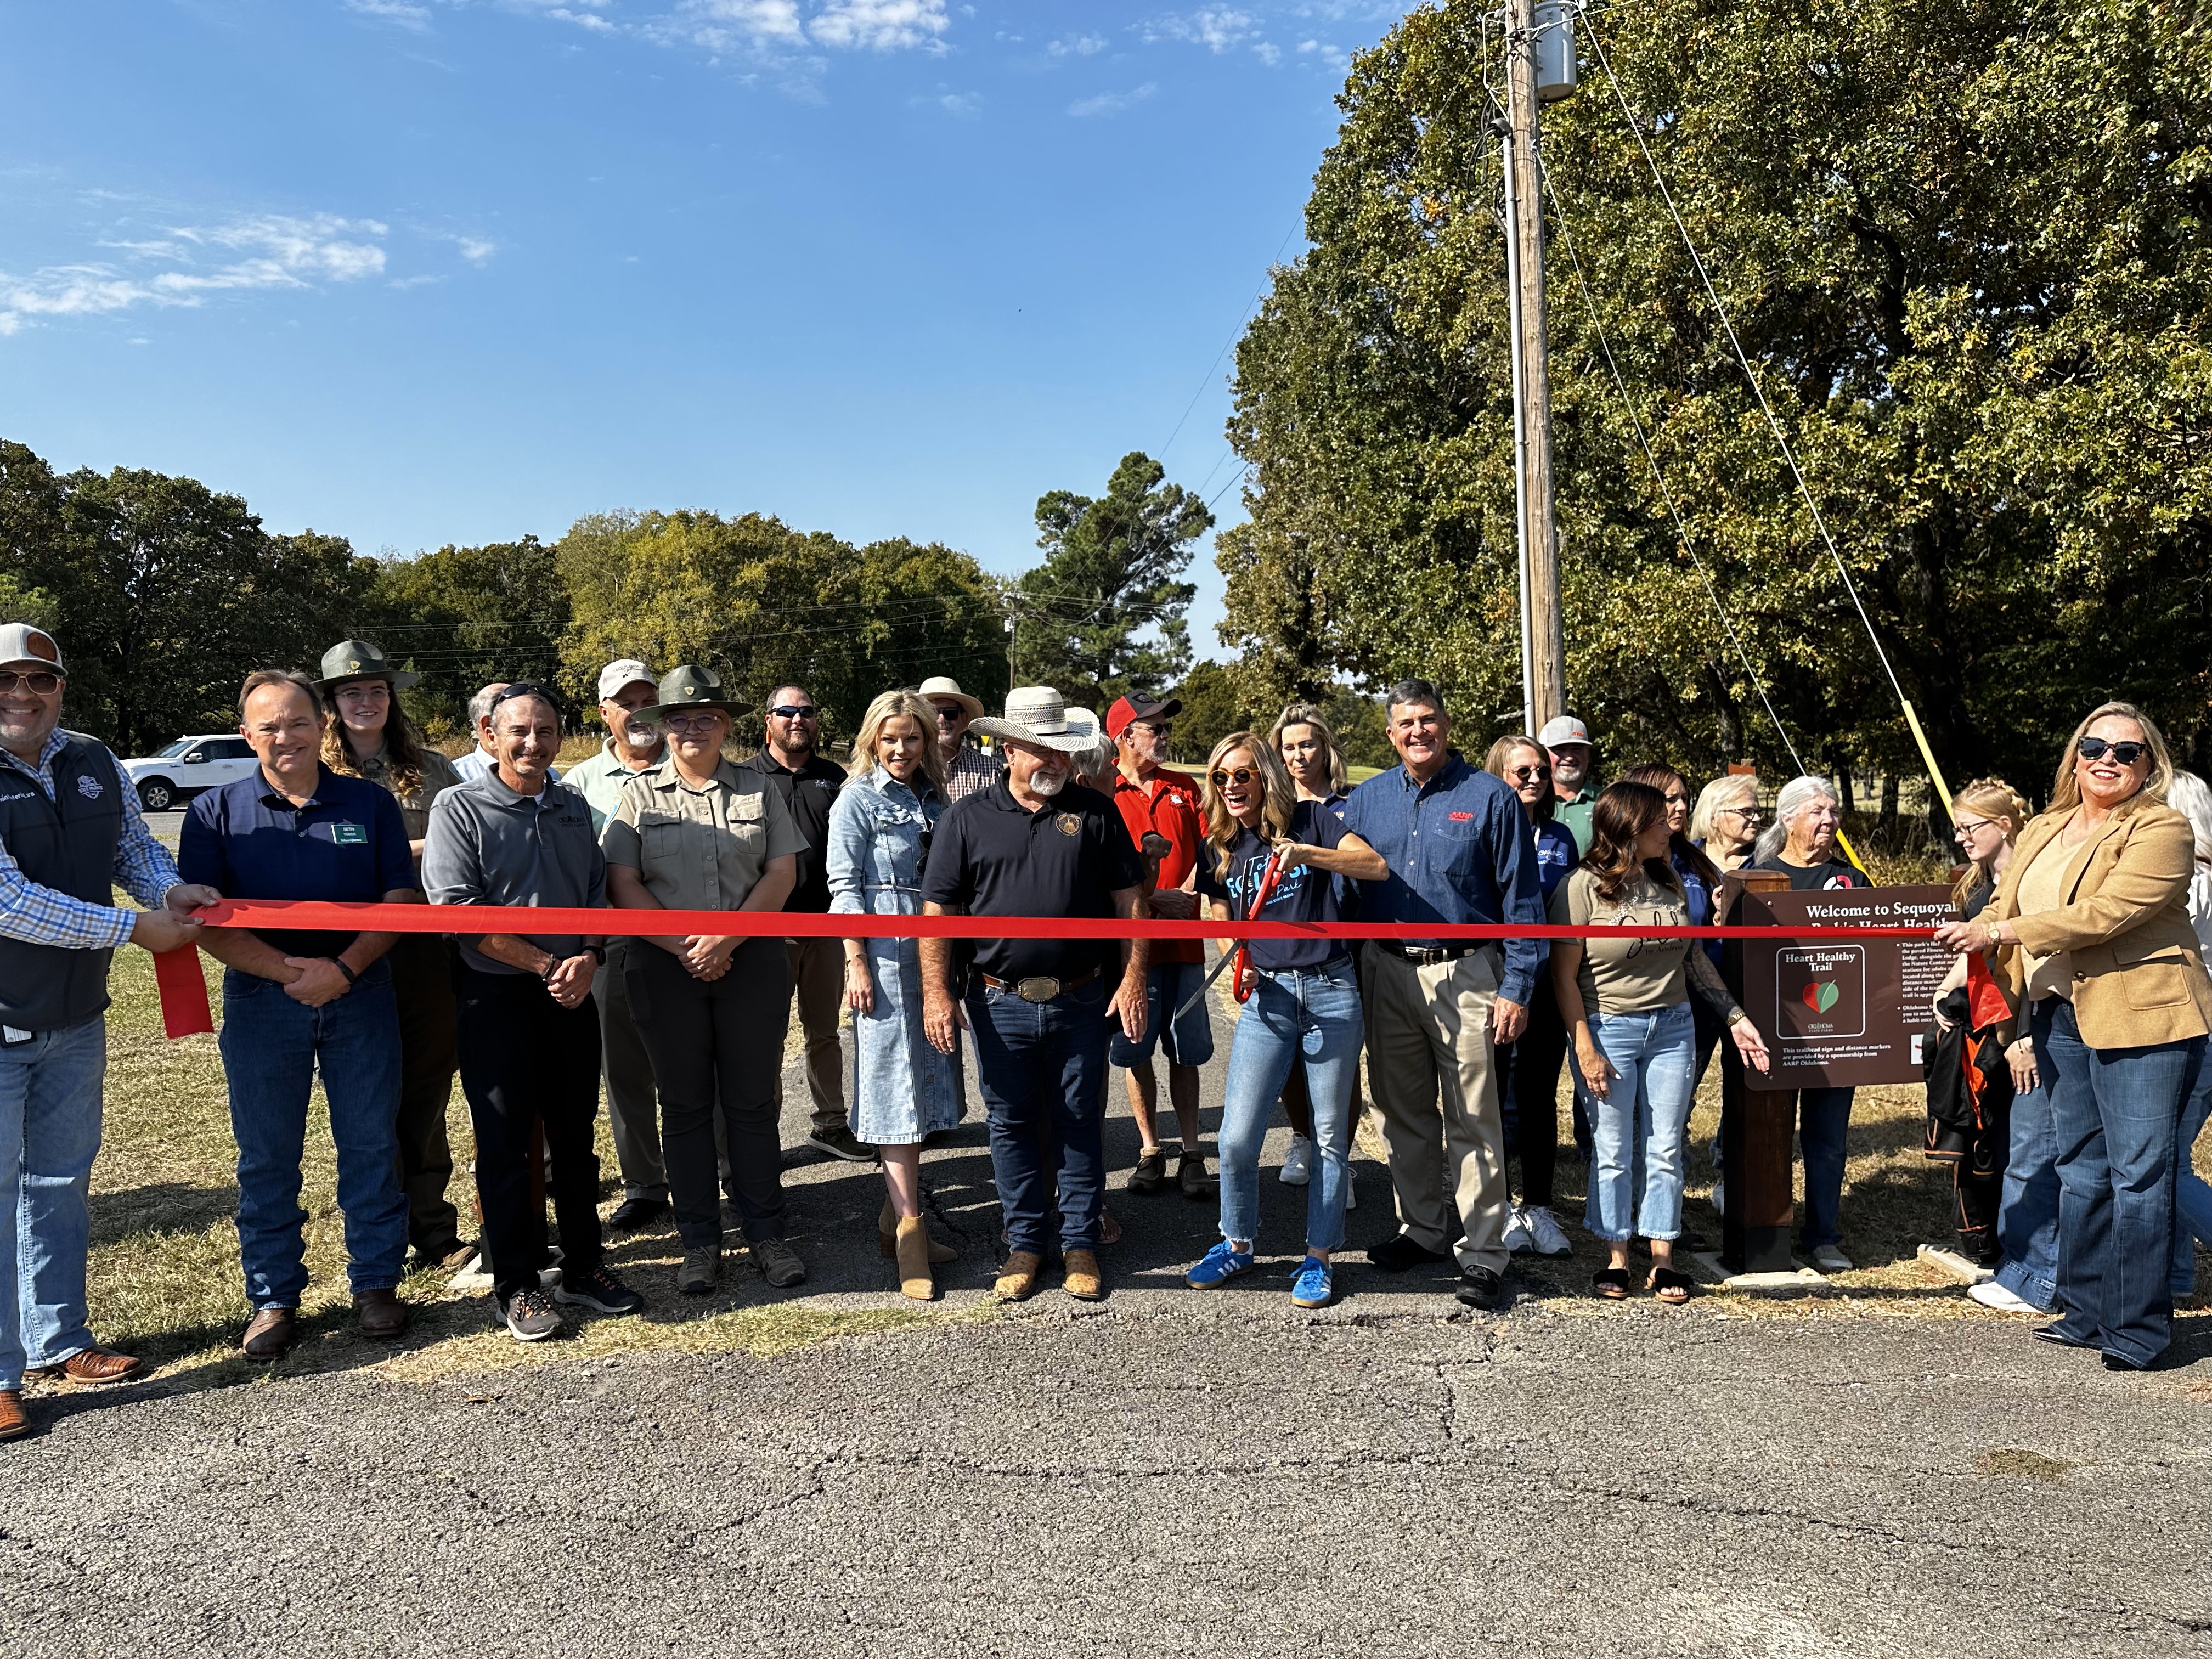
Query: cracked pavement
[1168, 1472]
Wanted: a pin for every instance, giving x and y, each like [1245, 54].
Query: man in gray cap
[633, 748]
[1569, 741]
[69, 832]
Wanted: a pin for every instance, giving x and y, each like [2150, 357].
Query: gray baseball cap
[1561, 730]
[21, 643]
[628, 671]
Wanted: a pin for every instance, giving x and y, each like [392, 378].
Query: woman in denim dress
[904, 1089]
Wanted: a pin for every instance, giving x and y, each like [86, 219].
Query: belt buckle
[1042, 988]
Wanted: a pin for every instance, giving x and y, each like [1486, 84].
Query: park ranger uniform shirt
[701, 849]
[807, 795]
[992, 856]
[487, 845]
[437, 776]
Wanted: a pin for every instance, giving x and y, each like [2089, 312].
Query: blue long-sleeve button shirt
[1460, 850]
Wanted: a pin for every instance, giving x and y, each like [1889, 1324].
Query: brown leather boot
[13, 1424]
[1018, 1279]
[1081, 1278]
[915, 1283]
[379, 1314]
[887, 1221]
[91, 1368]
[272, 1334]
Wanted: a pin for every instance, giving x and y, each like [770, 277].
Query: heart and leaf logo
[1820, 995]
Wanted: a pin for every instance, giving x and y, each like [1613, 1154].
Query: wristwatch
[598, 953]
[339, 963]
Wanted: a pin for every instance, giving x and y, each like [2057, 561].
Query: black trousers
[422, 987]
[1528, 1091]
[525, 1059]
[717, 1052]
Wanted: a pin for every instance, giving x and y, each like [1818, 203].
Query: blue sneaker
[1313, 1287]
[1221, 1263]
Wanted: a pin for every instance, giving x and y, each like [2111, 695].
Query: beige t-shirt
[2042, 886]
[699, 849]
[1626, 975]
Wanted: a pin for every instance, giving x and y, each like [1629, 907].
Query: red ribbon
[184, 989]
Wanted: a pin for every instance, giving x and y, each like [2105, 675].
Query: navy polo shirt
[992, 856]
[1460, 850]
[346, 843]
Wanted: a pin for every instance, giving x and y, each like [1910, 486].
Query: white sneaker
[1991, 1294]
[1830, 1259]
[1550, 1239]
[1297, 1163]
[1518, 1239]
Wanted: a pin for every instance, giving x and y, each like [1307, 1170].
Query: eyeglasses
[796, 712]
[1748, 814]
[699, 722]
[1965, 827]
[2126, 753]
[38, 680]
[946, 712]
[1530, 774]
[1240, 777]
[527, 689]
[1157, 728]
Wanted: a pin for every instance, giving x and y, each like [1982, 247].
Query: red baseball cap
[1136, 706]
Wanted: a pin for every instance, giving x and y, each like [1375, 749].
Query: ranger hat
[21, 643]
[687, 685]
[357, 659]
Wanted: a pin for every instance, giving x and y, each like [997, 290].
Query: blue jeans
[1041, 1069]
[2118, 1112]
[272, 1047]
[1639, 1129]
[1188, 1040]
[2028, 1212]
[1824, 1117]
[2193, 1196]
[50, 1099]
[1310, 1015]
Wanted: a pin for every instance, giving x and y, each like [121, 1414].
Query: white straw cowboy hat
[940, 685]
[1035, 714]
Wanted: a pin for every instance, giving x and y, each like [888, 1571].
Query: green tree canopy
[463, 616]
[1109, 579]
[1964, 245]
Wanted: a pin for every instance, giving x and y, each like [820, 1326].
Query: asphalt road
[1168, 1472]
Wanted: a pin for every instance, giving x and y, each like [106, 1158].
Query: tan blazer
[2138, 978]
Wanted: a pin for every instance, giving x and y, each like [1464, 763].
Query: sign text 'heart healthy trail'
[1839, 1013]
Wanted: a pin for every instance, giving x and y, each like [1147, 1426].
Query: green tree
[165, 594]
[1213, 708]
[1965, 247]
[463, 616]
[1104, 611]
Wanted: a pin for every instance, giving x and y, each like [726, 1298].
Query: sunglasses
[1530, 774]
[1240, 777]
[2126, 753]
[796, 712]
[946, 712]
[528, 688]
[38, 680]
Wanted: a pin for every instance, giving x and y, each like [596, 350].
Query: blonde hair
[1280, 796]
[1721, 795]
[881, 713]
[1304, 714]
[2066, 789]
[1997, 801]
[1503, 750]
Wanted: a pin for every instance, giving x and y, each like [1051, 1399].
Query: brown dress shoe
[1081, 1278]
[378, 1313]
[13, 1424]
[272, 1334]
[91, 1368]
[1017, 1278]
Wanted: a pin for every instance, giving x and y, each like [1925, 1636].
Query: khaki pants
[817, 977]
[1432, 1075]
[632, 1107]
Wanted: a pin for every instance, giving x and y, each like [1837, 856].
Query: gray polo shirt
[487, 845]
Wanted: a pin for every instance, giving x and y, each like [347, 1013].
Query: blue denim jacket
[1460, 850]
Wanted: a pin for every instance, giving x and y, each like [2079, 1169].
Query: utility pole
[1539, 68]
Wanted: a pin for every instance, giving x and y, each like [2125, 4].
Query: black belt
[1041, 987]
[1427, 956]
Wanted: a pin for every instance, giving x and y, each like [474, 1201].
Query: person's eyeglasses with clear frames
[703, 720]
[38, 680]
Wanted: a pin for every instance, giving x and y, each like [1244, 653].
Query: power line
[1743, 360]
[1234, 335]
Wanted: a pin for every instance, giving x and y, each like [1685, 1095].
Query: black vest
[68, 844]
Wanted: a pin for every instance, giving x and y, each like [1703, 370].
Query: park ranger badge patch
[350, 835]
[1070, 824]
[88, 787]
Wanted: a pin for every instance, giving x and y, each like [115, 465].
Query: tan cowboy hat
[939, 686]
[1036, 714]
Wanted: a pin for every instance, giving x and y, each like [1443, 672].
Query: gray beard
[1047, 786]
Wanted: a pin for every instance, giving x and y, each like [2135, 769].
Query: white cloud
[879, 25]
[1076, 45]
[402, 13]
[1215, 28]
[1268, 53]
[733, 25]
[1113, 103]
[475, 250]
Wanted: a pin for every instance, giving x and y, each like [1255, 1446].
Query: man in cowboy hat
[70, 827]
[372, 737]
[1035, 845]
[967, 768]
[633, 747]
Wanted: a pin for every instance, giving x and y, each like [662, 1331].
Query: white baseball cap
[1562, 729]
[21, 643]
[616, 675]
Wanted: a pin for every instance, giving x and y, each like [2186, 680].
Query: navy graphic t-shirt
[1305, 894]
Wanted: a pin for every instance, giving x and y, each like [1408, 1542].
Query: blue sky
[418, 271]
